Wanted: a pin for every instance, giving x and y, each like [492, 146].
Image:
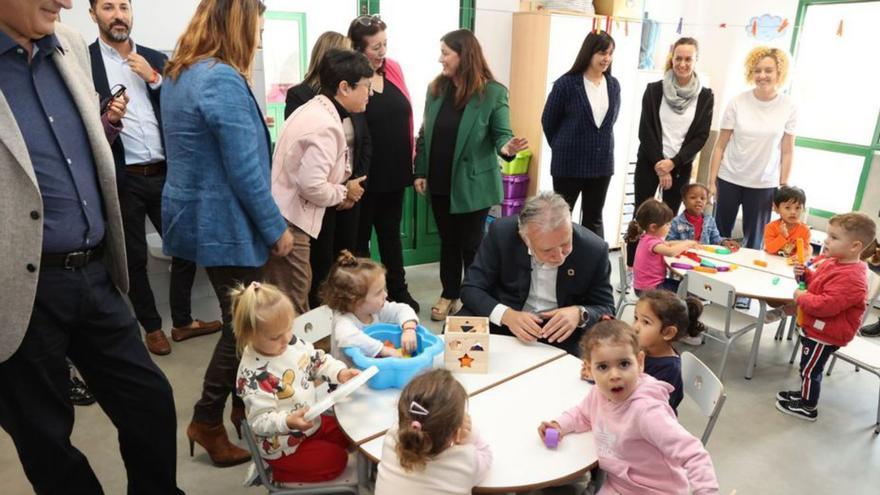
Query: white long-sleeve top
[348, 330]
[273, 387]
[455, 471]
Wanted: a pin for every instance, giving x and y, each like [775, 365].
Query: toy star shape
[465, 361]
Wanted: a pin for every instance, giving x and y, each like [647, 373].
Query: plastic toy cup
[551, 438]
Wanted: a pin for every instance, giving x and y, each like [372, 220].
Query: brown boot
[236, 415]
[214, 440]
[194, 329]
[157, 343]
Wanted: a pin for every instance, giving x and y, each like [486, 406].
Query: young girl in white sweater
[276, 381]
[434, 448]
[355, 291]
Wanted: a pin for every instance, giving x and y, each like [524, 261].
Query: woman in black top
[339, 226]
[674, 126]
[390, 120]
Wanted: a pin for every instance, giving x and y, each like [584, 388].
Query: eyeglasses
[369, 20]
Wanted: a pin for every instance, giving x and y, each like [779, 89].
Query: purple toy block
[551, 438]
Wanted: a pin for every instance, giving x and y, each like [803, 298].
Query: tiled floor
[756, 450]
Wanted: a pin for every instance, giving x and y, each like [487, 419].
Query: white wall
[493, 26]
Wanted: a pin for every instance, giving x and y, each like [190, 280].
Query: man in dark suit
[538, 276]
[139, 155]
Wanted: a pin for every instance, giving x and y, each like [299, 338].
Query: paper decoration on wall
[767, 27]
[650, 32]
[840, 28]
[680, 22]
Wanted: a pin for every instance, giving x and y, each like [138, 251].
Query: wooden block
[467, 344]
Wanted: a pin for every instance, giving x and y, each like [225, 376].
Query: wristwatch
[585, 317]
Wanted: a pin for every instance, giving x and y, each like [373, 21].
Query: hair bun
[346, 259]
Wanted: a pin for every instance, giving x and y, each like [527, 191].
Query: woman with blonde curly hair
[752, 156]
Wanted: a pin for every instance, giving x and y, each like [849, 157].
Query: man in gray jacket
[63, 266]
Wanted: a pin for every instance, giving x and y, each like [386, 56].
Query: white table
[745, 257]
[507, 416]
[367, 413]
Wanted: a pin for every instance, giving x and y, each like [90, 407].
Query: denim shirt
[682, 230]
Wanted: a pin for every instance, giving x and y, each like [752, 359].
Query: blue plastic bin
[396, 372]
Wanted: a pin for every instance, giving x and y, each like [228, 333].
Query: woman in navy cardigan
[578, 121]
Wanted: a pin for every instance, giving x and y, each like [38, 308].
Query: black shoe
[798, 409]
[742, 302]
[406, 298]
[79, 393]
[871, 330]
[788, 396]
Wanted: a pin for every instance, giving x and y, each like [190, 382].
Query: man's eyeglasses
[369, 20]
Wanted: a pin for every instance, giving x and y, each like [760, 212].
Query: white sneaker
[687, 339]
[252, 478]
[774, 314]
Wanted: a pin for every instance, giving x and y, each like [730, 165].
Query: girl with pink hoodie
[640, 444]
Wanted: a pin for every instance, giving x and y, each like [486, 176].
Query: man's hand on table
[525, 326]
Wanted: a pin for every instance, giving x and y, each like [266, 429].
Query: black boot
[406, 298]
[871, 330]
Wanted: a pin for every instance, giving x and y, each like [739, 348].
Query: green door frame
[867, 151]
[276, 110]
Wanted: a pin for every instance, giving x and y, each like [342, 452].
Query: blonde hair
[349, 281]
[682, 41]
[761, 52]
[222, 29]
[430, 411]
[327, 41]
[252, 307]
[857, 225]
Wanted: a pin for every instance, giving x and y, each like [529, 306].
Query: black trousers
[460, 237]
[142, 198]
[757, 206]
[645, 184]
[384, 211]
[592, 191]
[339, 231]
[219, 379]
[80, 314]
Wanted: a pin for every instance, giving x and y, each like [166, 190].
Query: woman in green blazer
[466, 125]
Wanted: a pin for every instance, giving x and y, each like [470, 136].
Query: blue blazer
[580, 148]
[217, 206]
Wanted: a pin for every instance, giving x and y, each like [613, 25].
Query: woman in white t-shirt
[753, 154]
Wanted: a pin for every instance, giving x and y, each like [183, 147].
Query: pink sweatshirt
[641, 446]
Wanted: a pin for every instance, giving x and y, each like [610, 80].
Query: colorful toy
[403, 352]
[760, 263]
[467, 344]
[802, 284]
[708, 263]
[775, 280]
[693, 256]
[705, 269]
[396, 372]
[681, 266]
[722, 250]
[551, 438]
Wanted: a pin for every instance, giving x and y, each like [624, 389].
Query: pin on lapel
[571, 272]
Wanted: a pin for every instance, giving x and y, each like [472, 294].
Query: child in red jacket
[831, 307]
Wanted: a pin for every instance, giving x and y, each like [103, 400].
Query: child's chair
[723, 323]
[701, 385]
[314, 325]
[624, 290]
[347, 482]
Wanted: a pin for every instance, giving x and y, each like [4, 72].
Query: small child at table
[276, 381]
[433, 448]
[693, 223]
[650, 227]
[640, 444]
[355, 291]
[661, 318]
[831, 307]
[781, 235]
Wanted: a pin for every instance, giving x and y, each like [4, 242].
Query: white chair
[625, 294]
[863, 355]
[314, 325]
[723, 323]
[701, 385]
[347, 482]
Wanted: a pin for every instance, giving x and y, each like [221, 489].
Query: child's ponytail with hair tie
[633, 232]
[695, 310]
[346, 259]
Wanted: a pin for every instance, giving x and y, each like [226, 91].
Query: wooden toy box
[467, 344]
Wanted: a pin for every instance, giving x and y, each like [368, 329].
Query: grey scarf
[679, 97]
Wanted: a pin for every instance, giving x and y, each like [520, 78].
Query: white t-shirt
[348, 330]
[675, 126]
[753, 155]
[597, 95]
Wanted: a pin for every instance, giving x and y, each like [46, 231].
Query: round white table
[526, 384]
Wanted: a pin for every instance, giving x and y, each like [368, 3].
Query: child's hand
[463, 434]
[692, 244]
[730, 244]
[799, 270]
[347, 374]
[295, 420]
[551, 424]
[798, 293]
[408, 339]
[390, 352]
[586, 374]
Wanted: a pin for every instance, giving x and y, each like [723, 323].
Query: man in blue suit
[538, 276]
[139, 155]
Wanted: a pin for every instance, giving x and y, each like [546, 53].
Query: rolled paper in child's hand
[551, 438]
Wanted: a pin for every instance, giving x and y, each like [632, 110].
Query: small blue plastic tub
[396, 372]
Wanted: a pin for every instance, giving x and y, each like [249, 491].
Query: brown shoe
[214, 440]
[157, 343]
[195, 329]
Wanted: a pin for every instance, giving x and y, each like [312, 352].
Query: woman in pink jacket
[640, 444]
[312, 165]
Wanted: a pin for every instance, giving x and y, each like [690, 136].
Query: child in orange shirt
[780, 236]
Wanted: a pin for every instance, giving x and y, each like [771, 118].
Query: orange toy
[403, 353]
[760, 263]
[801, 285]
[705, 269]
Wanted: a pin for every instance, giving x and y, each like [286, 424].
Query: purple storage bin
[511, 206]
[515, 186]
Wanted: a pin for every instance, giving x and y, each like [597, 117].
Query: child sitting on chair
[649, 227]
[276, 382]
[355, 291]
[661, 318]
[831, 308]
[433, 448]
[781, 235]
[640, 444]
[693, 223]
